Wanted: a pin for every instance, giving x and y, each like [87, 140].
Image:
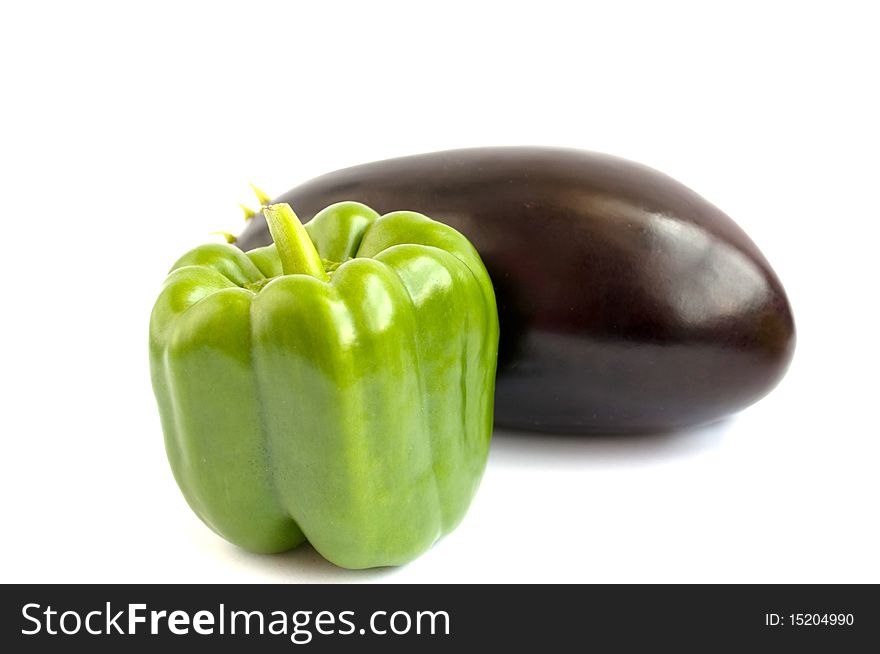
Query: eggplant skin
[627, 302]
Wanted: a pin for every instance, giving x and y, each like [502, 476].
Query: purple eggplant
[627, 302]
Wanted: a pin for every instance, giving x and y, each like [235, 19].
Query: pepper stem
[295, 249]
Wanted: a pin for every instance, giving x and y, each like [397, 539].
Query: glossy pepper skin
[628, 303]
[340, 394]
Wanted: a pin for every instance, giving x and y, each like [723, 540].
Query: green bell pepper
[336, 386]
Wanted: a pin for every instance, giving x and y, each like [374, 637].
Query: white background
[129, 134]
